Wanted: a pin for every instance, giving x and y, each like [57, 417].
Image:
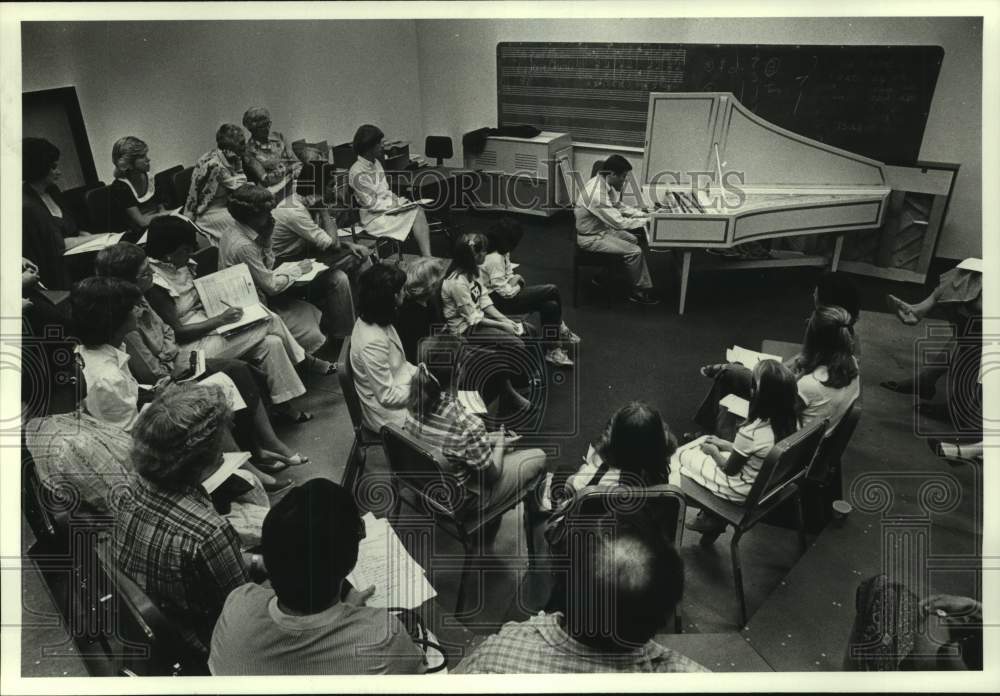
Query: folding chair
[417, 468]
[164, 183]
[778, 481]
[364, 437]
[141, 641]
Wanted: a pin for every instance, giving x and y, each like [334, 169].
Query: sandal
[270, 466]
[275, 458]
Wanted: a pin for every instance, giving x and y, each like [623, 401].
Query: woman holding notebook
[378, 204]
[173, 297]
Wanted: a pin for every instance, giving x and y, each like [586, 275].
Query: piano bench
[608, 262]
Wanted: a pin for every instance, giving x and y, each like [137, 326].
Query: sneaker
[566, 335]
[557, 356]
[643, 297]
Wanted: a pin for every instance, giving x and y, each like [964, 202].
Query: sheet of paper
[972, 265]
[221, 379]
[230, 287]
[251, 315]
[748, 358]
[291, 269]
[384, 562]
[231, 461]
[735, 404]
[471, 401]
[95, 243]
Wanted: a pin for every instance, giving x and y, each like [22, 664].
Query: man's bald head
[623, 585]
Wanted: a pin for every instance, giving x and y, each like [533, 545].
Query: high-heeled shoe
[280, 459]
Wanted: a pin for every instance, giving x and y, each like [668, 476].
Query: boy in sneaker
[602, 224]
[511, 295]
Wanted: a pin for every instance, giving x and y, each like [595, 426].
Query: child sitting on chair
[729, 469]
[511, 295]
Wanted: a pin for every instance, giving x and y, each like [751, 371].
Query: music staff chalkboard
[871, 100]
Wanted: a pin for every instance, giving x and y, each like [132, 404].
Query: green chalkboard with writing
[872, 100]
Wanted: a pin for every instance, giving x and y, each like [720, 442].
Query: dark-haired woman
[634, 449]
[371, 188]
[826, 372]
[382, 375]
[729, 468]
[154, 355]
[511, 295]
[47, 228]
[171, 241]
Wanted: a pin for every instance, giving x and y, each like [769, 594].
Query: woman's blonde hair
[422, 277]
[125, 152]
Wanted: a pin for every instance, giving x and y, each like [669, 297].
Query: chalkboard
[871, 100]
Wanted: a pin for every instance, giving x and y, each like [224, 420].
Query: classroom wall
[173, 83]
[457, 62]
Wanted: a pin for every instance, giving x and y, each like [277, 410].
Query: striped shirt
[182, 553]
[541, 646]
[753, 440]
[460, 436]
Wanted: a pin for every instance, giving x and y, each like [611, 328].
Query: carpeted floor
[650, 353]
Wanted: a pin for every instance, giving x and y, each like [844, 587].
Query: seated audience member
[602, 224]
[103, 314]
[488, 476]
[729, 468]
[216, 174]
[510, 295]
[371, 189]
[81, 453]
[168, 536]
[310, 620]
[895, 631]
[958, 299]
[469, 313]
[634, 449]
[154, 355]
[248, 240]
[837, 289]
[267, 159]
[174, 298]
[304, 227]
[132, 200]
[620, 591]
[382, 375]
[47, 228]
[826, 373]
[416, 316]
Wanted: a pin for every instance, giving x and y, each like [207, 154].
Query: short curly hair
[423, 276]
[377, 288]
[179, 436]
[99, 306]
[38, 158]
[254, 116]
[249, 200]
[230, 137]
[122, 260]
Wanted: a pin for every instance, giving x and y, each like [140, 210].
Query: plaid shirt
[461, 437]
[182, 553]
[540, 646]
